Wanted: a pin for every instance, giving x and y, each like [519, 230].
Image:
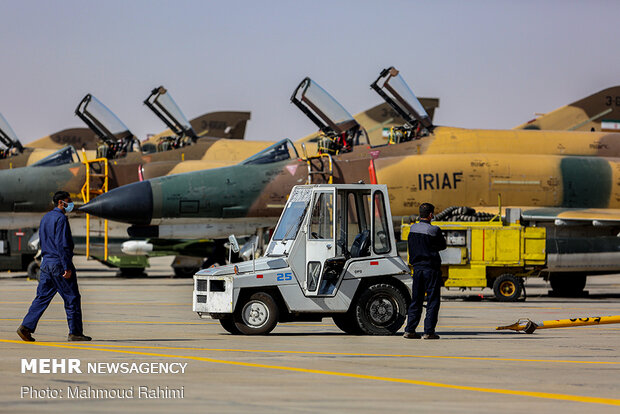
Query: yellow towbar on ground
[528, 326]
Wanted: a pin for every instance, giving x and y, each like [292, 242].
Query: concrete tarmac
[308, 367]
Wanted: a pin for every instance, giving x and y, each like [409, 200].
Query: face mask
[68, 207]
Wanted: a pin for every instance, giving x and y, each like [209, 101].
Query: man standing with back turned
[425, 242]
[57, 272]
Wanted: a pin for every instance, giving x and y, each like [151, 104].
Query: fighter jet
[549, 174]
[30, 189]
[26, 192]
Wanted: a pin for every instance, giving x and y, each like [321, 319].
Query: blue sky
[493, 64]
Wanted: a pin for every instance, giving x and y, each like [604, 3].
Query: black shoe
[72, 337]
[25, 333]
[431, 336]
[411, 335]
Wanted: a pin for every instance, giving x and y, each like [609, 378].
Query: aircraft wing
[562, 215]
[598, 216]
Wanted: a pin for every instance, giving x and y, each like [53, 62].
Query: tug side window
[381, 241]
[354, 218]
[321, 222]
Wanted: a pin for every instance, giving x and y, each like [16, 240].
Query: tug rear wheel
[507, 288]
[381, 310]
[258, 315]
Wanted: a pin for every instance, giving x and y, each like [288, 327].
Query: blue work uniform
[57, 256]
[425, 241]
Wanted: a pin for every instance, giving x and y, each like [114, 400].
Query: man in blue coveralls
[57, 272]
[425, 241]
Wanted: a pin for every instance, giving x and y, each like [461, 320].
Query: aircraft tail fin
[221, 124]
[77, 137]
[597, 112]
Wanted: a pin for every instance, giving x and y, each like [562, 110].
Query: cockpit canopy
[326, 112]
[8, 137]
[63, 156]
[161, 103]
[101, 120]
[280, 151]
[393, 88]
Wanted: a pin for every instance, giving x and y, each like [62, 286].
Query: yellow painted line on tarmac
[523, 308]
[267, 351]
[520, 393]
[34, 288]
[308, 324]
[105, 303]
[161, 322]
[129, 322]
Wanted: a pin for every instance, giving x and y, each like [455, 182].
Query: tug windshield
[293, 215]
[322, 108]
[160, 101]
[280, 151]
[101, 120]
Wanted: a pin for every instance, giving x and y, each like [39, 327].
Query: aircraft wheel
[185, 272]
[568, 284]
[507, 288]
[34, 270]
[347, 322]
[381, 310]
[258, 315]
[229, 325]
[131, 272]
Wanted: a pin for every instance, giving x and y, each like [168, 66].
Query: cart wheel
[257, 316]
[381, 310]
[507, 288]
[347, 322]
[229, 325]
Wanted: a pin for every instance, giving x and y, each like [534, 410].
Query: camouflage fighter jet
[29, 189]
[549, 174]
[26, 192]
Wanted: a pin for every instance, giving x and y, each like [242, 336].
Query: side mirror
[234, 245]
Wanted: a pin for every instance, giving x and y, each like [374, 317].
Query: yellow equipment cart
[490, 254]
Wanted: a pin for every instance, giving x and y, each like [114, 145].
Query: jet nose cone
[131, 203]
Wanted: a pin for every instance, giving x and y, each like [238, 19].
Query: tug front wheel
[258, 315]
[381, 310]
